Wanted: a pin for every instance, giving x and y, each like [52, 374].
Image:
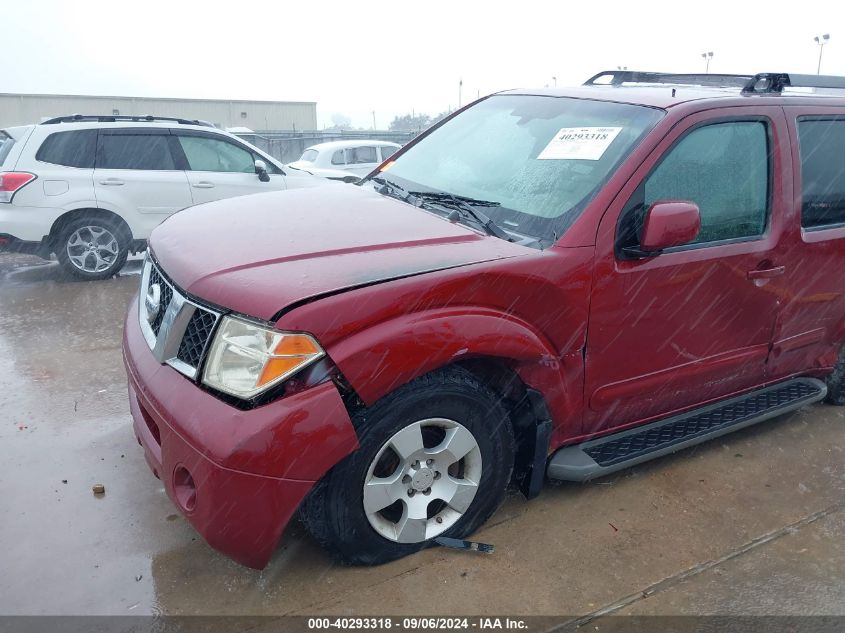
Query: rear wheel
[92, 248]
[435, 458]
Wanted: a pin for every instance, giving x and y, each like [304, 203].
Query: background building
[23, 109]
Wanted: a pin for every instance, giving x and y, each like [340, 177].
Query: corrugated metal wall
[23, 109]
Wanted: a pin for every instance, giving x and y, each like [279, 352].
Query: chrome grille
[176, 329]
[166, 297]
[196, 338]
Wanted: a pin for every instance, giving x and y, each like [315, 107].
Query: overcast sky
[392, 57]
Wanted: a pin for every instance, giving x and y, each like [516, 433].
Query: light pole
[554, 79]
[374, 120]
[460, 90]
[707, 57]
[821, 40]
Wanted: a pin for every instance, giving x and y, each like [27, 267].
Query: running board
[605, 455]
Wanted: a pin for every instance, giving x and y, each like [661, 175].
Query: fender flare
[383, 357]
[81, 211]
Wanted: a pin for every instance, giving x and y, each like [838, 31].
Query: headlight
[246, 359]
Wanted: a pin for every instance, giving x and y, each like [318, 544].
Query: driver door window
[218, 168]
[208, 154]
[724, 169]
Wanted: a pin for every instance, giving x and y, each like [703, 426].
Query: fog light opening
[184, 489]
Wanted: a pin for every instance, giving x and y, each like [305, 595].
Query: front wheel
[435, 458]
[92, 248]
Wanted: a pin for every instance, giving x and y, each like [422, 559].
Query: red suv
[550, 283]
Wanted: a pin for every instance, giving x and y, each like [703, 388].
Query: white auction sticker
[579, 143]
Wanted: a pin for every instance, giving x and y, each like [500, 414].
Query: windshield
[6, 143]
[540, 158]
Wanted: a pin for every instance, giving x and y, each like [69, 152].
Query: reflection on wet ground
[576, 549]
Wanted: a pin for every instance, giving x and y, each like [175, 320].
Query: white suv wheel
[92, 249]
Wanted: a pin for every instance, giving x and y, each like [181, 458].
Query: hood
[260, 253]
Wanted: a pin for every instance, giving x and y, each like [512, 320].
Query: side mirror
[261, 170]
[669, 223]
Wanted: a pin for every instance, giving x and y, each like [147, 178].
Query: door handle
[203, 184]
[114, 182]
[766, 273]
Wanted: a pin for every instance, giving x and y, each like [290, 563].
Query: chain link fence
[287, 146]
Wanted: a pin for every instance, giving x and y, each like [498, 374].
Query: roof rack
[102, 118]
[776, 82]
[618, 77]
[761, 83]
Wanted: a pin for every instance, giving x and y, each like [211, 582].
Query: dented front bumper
[237, 476]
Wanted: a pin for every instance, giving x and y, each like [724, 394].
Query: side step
[608, 454]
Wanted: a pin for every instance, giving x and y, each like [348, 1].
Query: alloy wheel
[422, 480]
[92, 249]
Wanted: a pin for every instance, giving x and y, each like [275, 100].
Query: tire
[836, 383]
[448, 406]
[92, 248]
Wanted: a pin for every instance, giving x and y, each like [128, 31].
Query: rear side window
[724, 169]
[361, 155]
[71, 149]
[6, 143]
[822, 172]
[387, 150]
[209, 154]
[135, 151]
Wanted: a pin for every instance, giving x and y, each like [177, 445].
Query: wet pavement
[750, 523]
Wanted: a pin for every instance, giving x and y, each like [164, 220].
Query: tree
[340, 122]
[410, 123]
[440, 117]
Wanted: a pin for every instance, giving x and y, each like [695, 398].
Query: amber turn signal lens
[247, 358]
[296, 345]
[291, 352]
[276, 367]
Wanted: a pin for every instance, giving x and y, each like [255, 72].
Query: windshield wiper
[390, 188]
[466, 207]
[453, 197]
[461, 205]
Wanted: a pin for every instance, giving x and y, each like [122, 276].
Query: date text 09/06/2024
[418, 623]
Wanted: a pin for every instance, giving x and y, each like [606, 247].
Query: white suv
[91, 188]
